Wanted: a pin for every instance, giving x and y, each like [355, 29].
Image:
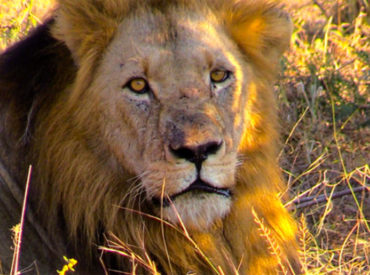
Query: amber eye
[138, 85]
[218, 76]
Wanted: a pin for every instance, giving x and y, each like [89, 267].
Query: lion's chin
[196, 210]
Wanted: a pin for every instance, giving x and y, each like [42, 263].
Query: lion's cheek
[220, 173]
[126, 154]
[161, 179]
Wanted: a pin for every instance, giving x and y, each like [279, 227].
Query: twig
[308, 201]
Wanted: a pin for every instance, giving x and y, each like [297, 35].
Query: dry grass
[324, 92]
[324, 102]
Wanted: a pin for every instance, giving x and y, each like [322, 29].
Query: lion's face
[171, 98]
[150, 109]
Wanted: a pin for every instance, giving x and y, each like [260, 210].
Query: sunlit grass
[324, 102]
[324, 92]
[18, 17]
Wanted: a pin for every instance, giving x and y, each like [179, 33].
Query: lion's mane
[79, 193]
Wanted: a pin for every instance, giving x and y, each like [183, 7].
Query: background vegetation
[324, 102]
[324, 98]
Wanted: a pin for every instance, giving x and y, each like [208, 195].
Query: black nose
[197, 154]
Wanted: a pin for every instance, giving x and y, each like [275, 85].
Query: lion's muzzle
[197, 186]
[196, 151]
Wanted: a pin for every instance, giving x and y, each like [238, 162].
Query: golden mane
[75, 174]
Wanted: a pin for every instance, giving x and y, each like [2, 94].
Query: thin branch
[308, 201]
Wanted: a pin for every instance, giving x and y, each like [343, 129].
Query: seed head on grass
[273, 245]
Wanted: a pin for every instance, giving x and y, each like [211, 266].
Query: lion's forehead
[178, 42]
[173, 28]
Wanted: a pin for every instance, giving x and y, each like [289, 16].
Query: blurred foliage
[18, 17]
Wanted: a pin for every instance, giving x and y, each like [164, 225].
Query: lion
[151, 124]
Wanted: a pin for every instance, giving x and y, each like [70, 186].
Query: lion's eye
[218, 76]
[138, 85]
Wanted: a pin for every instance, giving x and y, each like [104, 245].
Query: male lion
[151, 122]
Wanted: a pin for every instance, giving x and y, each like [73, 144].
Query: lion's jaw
[150, 134]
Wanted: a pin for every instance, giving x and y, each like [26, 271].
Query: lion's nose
[197, 154]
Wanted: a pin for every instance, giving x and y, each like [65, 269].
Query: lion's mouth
[197, 185]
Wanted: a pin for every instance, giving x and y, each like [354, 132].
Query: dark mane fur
[32, 72]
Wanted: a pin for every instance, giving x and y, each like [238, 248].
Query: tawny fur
[96, 186]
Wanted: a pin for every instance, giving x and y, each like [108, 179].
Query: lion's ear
[86, 26]
[260, 29]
